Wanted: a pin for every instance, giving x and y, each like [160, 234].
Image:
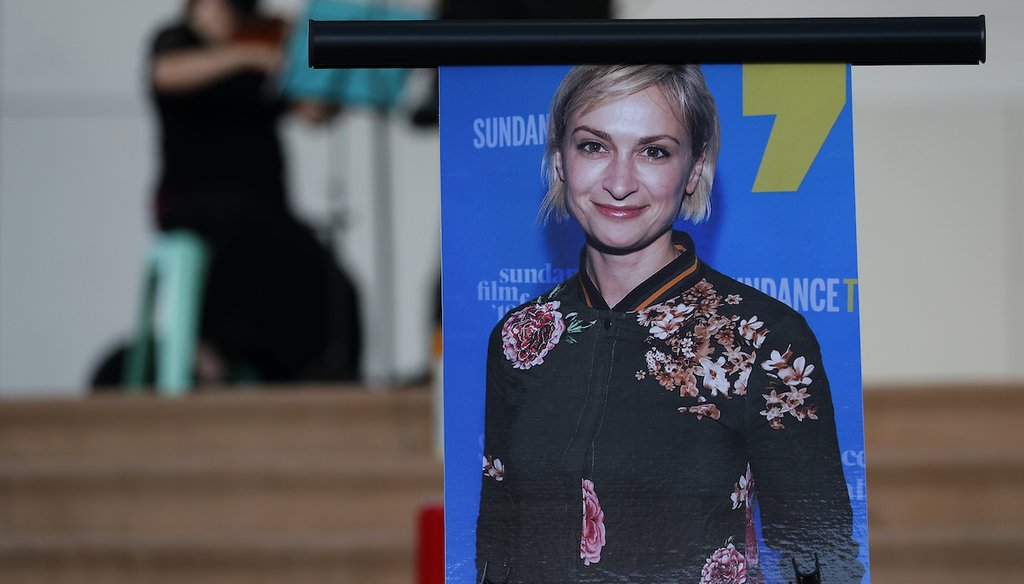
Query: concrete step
[330, 423]
[323, 486]
[945, 473]
[257, 487]
[356, 559]
[954, 556]
[919, 492]
[212, 497]
[946, 419]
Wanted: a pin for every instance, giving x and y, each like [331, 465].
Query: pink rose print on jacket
[531, 332]
[726, 566]
[593, 526]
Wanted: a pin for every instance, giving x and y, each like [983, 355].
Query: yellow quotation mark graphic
[806, 100]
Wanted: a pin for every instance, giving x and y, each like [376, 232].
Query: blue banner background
[492, 185]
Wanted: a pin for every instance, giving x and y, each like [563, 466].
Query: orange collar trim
[586, 296]
[650, 299]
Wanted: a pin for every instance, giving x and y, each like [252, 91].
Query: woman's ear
[558, 165]
[698, 167]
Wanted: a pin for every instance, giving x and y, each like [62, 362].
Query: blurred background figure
[276, 304]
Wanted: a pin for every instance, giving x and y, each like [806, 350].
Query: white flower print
[809, 413]
[670, 321]
[774, 416]
[773, 399]
[743, 490]
[740, 387]
[797, 396]
[715, 377]
[686, 347]
[753, 331]
[794, 378]
[654, 357]
[494, 468]
[778, 361]
[797, 375]
[736, 357]
[699, 342]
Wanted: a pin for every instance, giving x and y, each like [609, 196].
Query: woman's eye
[655, 152]
[591, 147]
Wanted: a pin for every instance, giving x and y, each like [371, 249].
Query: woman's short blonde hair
[590, 86]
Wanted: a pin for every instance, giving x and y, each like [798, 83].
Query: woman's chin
[621, 242]
[617, 245]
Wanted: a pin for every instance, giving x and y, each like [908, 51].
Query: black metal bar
[946, 40]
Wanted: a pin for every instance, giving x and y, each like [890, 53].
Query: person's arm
[190, 69]
[794, 456]
[496, 522]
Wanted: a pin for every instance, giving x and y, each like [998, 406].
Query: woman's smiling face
[627, 165]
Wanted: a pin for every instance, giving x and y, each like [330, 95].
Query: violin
[268, 31]
[272, 32]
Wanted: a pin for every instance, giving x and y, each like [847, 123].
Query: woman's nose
[620, 180]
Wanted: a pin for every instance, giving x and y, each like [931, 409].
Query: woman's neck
[618, 275]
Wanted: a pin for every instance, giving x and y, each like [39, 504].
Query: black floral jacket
[630, 444]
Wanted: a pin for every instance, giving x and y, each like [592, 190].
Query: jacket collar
[668, 282]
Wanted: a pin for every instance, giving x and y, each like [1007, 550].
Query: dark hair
[244, 7]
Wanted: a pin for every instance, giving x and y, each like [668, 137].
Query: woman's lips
[619, 212]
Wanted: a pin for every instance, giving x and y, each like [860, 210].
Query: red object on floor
[430, 545]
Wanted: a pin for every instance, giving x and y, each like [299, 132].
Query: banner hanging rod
[944, 40]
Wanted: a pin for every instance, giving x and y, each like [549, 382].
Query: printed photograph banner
[741, 373]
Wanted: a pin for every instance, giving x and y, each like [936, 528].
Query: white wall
[939, 152]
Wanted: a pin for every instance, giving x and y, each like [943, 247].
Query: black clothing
[219, 137]
[617, 440]
[275, 299]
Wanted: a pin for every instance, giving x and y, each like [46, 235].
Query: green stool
[172, 292]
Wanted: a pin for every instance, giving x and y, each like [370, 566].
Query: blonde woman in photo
[636, 412]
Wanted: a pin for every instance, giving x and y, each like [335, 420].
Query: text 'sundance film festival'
[701, 421]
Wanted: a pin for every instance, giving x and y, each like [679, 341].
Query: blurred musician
[272, 287]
